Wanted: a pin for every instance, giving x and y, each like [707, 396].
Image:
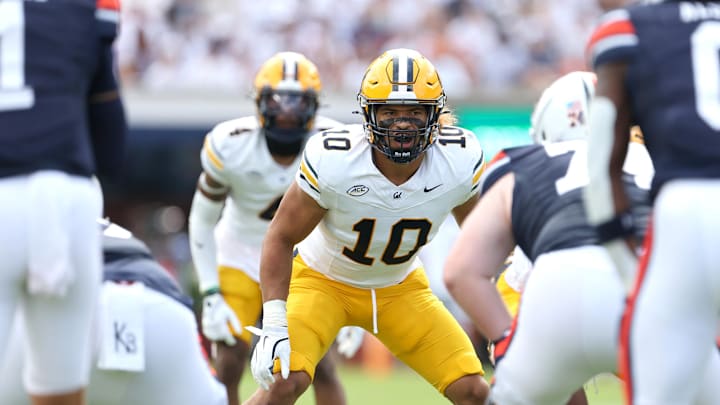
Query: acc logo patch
[358, 190]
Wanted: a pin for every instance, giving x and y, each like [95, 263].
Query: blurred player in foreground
[248, 164]
[566, 328]
[145, 346]
[62, 122]
[368, 197]
[658, 67]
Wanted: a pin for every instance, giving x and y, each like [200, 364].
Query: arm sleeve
[106, 116]
[204, 214]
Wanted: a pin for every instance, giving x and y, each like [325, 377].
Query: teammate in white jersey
[248, 164]
[366, 199]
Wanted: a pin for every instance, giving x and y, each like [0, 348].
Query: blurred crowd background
[187, 64]
[487, 46]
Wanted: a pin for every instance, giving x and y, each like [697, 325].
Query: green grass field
[404, 386]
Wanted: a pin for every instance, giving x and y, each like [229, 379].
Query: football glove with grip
[349, 340]
[274, 343]
[218, 319]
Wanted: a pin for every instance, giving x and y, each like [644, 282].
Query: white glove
[274, 343]
[216, 315]
[349, 340]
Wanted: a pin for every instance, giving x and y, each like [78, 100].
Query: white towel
[122, 328]
[50, 270]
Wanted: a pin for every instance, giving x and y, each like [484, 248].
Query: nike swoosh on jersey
[427, 190]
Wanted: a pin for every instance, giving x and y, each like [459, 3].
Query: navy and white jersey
[53, 58]
[673, 79]
[127, 258]
[547, 206]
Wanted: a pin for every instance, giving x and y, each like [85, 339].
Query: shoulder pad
[499, 166]
[215, 148]
[107, 14]
[614, 39]
[326, 155]
[467, 147]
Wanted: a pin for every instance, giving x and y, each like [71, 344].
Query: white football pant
[50, 270]
[175, 371]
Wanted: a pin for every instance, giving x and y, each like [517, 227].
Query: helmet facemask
[401, 145]
[287, 117]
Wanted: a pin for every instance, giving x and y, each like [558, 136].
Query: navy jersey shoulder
[129, 259]
[51, 51]
[547, 210]
[673, 80]
[546, 216]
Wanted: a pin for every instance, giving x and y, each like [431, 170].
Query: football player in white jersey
[248, 164]
[365, 200]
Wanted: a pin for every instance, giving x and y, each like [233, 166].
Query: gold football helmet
[401, 76]
[286, 94]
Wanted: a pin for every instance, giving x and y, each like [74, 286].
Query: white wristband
[274, 313]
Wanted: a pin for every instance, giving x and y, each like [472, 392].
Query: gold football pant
[411, 322]
[509, 295]
[243, 296]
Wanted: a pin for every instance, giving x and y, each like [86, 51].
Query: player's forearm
[108, 130]
[106, 117]
[480, 300]
[276, 268]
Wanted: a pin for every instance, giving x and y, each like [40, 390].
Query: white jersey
[371, 234]
[235, 153]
